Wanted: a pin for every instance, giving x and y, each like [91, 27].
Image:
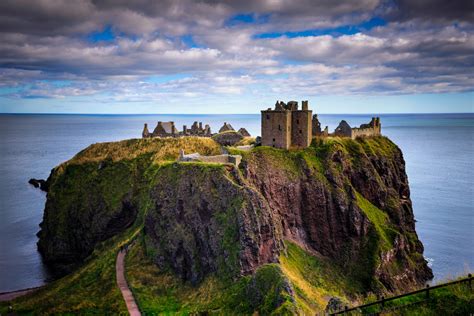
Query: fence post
[427, 291]
[345, 310]
[383, 301]
[470, 281]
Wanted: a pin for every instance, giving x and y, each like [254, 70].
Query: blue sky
[370, 56]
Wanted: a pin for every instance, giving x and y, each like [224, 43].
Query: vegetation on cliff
[281, 234]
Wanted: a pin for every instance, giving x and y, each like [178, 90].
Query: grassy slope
[312, 279]
[452, 300]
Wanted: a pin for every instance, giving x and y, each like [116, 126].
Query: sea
[438, 149]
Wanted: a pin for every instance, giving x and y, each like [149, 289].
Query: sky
[209, 56]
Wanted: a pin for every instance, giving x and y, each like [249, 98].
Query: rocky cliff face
[203, 219]
[345, 200]
[348, 200]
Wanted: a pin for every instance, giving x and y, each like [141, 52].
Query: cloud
[433, 10]
[425, 47]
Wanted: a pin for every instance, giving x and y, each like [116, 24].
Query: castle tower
[378, 126]
[301, 126]
[287, 126]
[276, 127]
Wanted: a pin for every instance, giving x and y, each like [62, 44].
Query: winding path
[122, 284]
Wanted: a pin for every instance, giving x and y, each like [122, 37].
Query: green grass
[89, 290]
[161, 292]
[159, 149]
[456, 299]
[380, 220]
[314, 278]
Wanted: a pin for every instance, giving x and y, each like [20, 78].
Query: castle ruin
[287, 126]
[168, 129]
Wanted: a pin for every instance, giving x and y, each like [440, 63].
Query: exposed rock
[39, 183]
[335, 304]
[319, 207]
[195, 231]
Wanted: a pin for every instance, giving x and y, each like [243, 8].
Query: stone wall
[301, 128]
[233, 159]
[365, 132]
[276, 128]
[373, 128]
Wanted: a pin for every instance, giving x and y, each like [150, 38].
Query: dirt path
[122, 284]
[8, 296]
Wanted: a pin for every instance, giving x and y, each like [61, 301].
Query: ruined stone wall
[301, 129]
[276, 128]
[365, 132]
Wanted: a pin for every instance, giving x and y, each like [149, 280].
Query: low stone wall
[233, 159]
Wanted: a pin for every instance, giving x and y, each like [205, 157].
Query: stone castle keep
[288, 126]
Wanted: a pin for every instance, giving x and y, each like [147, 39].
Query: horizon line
[149, 114]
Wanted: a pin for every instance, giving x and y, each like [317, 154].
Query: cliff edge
[340, 207]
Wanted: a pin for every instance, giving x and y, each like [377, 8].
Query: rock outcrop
[345, 200]
[39, 183]
[330, 197]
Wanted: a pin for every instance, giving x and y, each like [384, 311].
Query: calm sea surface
[438, 149]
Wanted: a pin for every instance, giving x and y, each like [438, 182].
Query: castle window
[297, 121]
[279, 127]
[301, 132]
[274, 139]
[268, 117]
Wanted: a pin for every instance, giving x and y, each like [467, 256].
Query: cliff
[334, 219]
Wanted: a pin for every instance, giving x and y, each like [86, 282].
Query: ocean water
[438, 149]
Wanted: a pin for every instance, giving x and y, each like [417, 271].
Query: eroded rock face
[318, 206]
[203, 220]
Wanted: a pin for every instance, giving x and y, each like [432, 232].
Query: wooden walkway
[122, 284]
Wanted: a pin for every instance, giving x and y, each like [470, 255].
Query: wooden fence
[425, 290]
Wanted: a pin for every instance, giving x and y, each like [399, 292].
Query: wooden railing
[425, 290]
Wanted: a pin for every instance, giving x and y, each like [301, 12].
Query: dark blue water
[439, 151]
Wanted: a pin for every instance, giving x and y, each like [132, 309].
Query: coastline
[8, 296]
